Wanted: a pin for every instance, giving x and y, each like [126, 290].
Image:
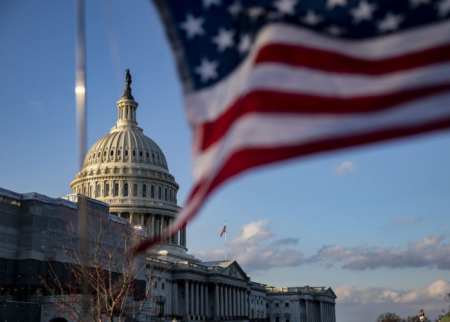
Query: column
[175, 297]
[202, 300]
[192, 298]
[307, 309]
[197, 302]
[206, 312]
[186, 298]
[234, 301]
[222, 301]
[216, 301]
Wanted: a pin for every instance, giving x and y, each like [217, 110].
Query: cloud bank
[364, 304]
[428, 252]
[344, 168]
[257, 249]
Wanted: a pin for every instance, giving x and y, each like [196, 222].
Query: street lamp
[421, 315]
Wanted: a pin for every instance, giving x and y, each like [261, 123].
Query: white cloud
[405, 221]
[253, 233]
[363, 303]
[344, 168]
[428, 252]
[257, 249]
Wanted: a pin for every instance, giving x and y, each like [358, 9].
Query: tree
[389, 317]
[415, 318]
[118, 280]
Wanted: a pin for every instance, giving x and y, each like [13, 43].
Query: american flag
[224, 230]
[268, 80]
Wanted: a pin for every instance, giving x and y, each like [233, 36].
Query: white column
[186, 297]
[206, 311]
[216, 300]
[175, 297]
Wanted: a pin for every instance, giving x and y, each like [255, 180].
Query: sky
[369, 222]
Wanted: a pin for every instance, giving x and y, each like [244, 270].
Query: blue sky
[370, 222]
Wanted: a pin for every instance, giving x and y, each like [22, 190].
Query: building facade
[125, 175]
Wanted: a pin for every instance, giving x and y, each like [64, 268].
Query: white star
[255, 12]
[224, 39]
[443, 7]
[311, 18]
[286, 6]
[416, 3]
[390, 22]
[333, 3]
[364, 11]
[208, 3]
[235, 9]
[244, 44]
[335, 30]
[193, 26]
[207, 70]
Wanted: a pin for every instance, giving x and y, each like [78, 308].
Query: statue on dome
[127, 90]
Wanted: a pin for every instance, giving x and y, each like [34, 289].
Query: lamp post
[421, 315]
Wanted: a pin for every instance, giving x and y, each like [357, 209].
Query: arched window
[140, 154]
[152, 192]
[106, 192]
[125, 190]
[135, 190]
[134, 153]
[165, 194]
[126, 152]
[144, 190]
[112, 152]
[116, 189]
[159, 193]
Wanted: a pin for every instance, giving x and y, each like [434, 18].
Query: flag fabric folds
[224, 230]
[266, 81]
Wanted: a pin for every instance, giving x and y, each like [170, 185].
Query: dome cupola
[129, 171]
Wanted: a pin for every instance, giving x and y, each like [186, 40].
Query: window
[97, 191]
[125, 190]
[277, 319]
[286, 304]
[163, 286]
[147, 154]
[112, 153]
[135, 190]
[134, 153]
[277, 305]
[116, 189]
[106, 189]
[104, 153]
[126, 153]
[165, 194]
[159, 192]
[144, 190]
[140, 154]
[152, 192]
[119, 152]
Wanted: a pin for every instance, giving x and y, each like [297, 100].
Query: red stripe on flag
[276, 102]
[335, 62]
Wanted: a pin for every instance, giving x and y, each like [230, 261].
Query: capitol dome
[129, 171]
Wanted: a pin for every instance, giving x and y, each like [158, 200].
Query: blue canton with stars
[214, 36]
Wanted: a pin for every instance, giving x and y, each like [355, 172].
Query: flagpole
[225, 240]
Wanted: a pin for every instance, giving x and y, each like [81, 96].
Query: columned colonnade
[155, 224]
[206, 300]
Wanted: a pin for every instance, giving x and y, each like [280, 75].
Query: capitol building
[125, 175]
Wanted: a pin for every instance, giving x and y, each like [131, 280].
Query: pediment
[234, 270]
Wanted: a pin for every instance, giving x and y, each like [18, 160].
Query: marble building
[127, 173]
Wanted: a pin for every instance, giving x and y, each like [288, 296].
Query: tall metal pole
[80, 97]
[225, 240]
